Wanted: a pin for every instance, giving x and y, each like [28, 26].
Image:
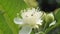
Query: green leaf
[53, 27]
[1, 32]
[57, 14]
[4, 28]
[8, 10]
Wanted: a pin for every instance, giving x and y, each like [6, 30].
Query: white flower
[30, 18]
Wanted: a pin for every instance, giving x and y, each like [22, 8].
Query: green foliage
[8, 10]
[57, 14]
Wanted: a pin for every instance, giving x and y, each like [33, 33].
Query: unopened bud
[49, 17]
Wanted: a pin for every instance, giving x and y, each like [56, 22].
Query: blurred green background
[8, 10]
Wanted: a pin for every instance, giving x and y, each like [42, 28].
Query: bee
[48, 5]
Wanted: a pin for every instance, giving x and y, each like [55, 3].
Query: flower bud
[49, 18]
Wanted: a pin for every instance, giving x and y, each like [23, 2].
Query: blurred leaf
[57, 14]
[8, 10]
[4, 28]
[56, 30]
[1, 32]
[53, 28]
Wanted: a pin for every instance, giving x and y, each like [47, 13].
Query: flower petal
[52, 23]
[17, 20]
[25, 30]
[39, 22]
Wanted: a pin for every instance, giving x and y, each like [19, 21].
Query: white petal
[25, 30]
[52, 23]
[51, 14]
[17, 20]
[39, 22]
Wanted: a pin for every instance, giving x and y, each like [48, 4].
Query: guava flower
[30, 19]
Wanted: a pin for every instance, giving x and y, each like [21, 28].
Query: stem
[49, 29]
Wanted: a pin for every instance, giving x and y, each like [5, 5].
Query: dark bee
[48, 5]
